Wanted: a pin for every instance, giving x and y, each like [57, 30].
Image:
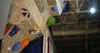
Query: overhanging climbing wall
[19, 36]
[24, 23]
[28, 22]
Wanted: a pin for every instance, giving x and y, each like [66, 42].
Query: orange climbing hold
[25, 42]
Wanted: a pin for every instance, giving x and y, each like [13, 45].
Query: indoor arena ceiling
[78, 18]
[77, 30]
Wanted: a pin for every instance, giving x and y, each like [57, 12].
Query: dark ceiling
[78, 31]
[83, 43]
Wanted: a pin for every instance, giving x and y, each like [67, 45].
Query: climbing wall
[20, 13]
[29, 15]
[21, 16]
[23, 33]
[48, 4]
[36, 15]
[25, 22]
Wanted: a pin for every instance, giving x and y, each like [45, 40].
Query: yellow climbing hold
[29, 22]
[35, 6]
[2, 50]
[35, 28]
[26, 37]
[40, 20]
[39, 25]
[36, 32]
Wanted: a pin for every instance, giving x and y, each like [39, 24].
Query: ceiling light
[92, 10]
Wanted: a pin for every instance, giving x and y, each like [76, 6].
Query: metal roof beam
[55, 33]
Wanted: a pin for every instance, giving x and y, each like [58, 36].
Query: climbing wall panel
[24, 27]
[28, 15]
[35, 14]
[18, 16]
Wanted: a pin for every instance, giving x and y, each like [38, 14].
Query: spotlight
[92, 10]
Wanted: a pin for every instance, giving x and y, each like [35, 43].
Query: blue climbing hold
[54, 9]
[14, 31]
[24, 9]
[32, 33]
[40, 34]
[40, 14]
[9, 16]
[16, 46]
[28, 15]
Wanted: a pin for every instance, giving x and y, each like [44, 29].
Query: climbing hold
[39, 25]
[40, 14]
[40, 34]
[34, 28]
[9, 48]
[9, 16]
[24, 14]
[40, 20]
[38, 30]
[16, 46]
[25, 42]
[54, 9]
[32, 33]
[14, 31]
[29, 22]
[6, 29]
[50, 21]
[24, 9]
[35, 6]
[2, 50]
[35, 32]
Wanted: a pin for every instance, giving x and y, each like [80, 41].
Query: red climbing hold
[6, 29]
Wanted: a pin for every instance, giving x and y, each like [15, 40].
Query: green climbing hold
[50, 21]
